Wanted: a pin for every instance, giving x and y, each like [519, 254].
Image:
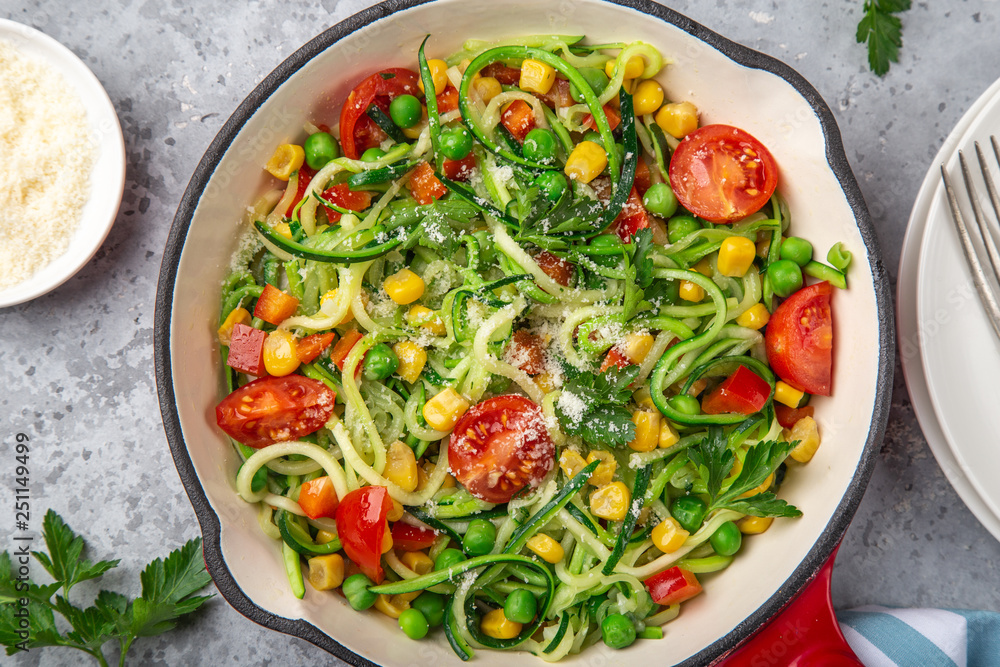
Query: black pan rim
[742, 55]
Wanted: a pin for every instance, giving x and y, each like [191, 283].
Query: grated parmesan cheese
[45, 171]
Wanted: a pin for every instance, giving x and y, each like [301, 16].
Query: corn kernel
[487, 88]
[546, 382]
[280, 353]
[668, 536]
[546, 548]
[586, 162]
[647, 430]
[439, 73]
[786, 394]
[238, 316]
[324, 536]
[424, 317]
[444, 410]
[754, 525]
[637, 346]
[633, 68]
[704, 267]
[610, 501]
[404, 286]
[643, 399]
[806, 431]
[756, 317]
[571, 463]
[536, 76]
[605, 471]
[412, 359]
[386, 539]
[287, 160]
[332, 296]
[648, 97]
[668, 436]
[690, 291]
[764, 486]
[496, 625]
[391, 606]
[414, 131]
[678, 119]
[417, 561]
[395, 513]
[284, 229]
[326, 572]
[401, 466]
[736, 256]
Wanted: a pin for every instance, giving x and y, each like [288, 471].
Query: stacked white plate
[950, 355]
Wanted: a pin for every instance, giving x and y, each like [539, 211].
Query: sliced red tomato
[318, 499]
[411, 538]
[632, 218]
[518, 118]
[338, 355]
[555, 267]
[425, 186]
[614, 358]
[643, 179]
[673, 586]
[304, 179]
[722, 174]
[343, 196]
[275, 409]
[361, 527]
[460, 170]
[357, 131]
[510, 76]
[788, 416]
[312, 346]
[448, 100]
[500, 446]
[799, 340]
[744, 392]
[527, 352]
[275, 306]
[614, 118]
[246, 349]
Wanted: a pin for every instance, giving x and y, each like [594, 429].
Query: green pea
[594, 136]
[618, 631]
[687, 405]
[447, 558]
[431, 605]
[786, 277]
[609, 247]
[660, 200]
[380, 362]
[456, 143]
[412, 623]
[680, 226]
[320, 148]
[405, 111]
[597, 79]
[356, 591]
[479, 537]
[539, 145]
[372, 154]
[797, 250]
[520, 606]
[727, 539]
[552, 184]
[689, 511]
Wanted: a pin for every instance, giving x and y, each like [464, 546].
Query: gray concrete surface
[76, 366]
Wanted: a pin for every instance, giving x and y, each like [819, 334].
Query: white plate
[949, 353]
[107, 180]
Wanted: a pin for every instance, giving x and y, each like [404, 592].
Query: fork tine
[984, 225]
[977, 212]
[986, 294]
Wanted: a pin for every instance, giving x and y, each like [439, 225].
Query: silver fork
[985, 287]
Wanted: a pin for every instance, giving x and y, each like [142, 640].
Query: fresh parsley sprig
[168, 592]
[592, 406]
[883, 31]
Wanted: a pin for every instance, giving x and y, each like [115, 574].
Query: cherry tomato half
[721, 173]
[799, 339]
[358, 132]
[361, 527]
[274, 409]
[500, 446]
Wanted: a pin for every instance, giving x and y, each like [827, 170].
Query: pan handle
[805, 633]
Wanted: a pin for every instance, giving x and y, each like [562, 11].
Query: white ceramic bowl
[107, 179]
[729, 84]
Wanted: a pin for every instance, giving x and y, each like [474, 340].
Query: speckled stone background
[76, 366]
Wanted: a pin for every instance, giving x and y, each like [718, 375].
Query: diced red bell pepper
[411, 538]
[246, 350]
[425, 186]
[312, 346]
[616, 359]
[788, 416]
[509, 76]
[448, 100]
[673, 586]
[643, 180]
[614, 118]
[632, 218]
[361, 526]
[338, 355]
[519, 119]
[305, 178]
[555, 267]
[274, 306]
[460, 170]
[744, 392]
[318, 499]
[341, 195]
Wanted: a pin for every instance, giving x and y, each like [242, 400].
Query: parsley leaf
[168, 588]
[713, 455]
[883, 31]
[66, 563]
[592, 406]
